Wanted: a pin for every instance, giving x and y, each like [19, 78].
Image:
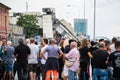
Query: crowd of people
[65, 60]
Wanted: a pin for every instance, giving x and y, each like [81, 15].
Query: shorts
[65, 70]
[32, 68]
[9, 66]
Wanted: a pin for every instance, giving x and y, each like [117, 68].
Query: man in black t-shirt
[21, 53]
[100, 71]
[115, 59]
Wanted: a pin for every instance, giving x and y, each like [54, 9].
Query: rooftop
[4, 6]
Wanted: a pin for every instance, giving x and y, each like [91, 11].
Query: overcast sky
[107, 12]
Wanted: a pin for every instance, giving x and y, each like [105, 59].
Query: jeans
[72, 75]
[15, 67]
[84, 71]
[43, 71]
[22, 73]
[100, 74]
[110, 73]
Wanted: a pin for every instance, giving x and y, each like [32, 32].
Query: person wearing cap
[22, 53]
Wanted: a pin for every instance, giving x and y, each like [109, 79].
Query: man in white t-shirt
[32, 59]
[43, 60]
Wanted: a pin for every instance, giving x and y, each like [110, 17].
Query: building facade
[49, 25]
[15, 32]
[80, 26]
[4, 20]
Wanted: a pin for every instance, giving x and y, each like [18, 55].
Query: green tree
[29, 23]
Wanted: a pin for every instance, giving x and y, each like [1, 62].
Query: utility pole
[84, 9]
[26, 6]
[94, 19]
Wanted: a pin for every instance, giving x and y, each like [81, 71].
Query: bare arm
[61, 53]
[90, 55]
[107, 61]
[42, 54]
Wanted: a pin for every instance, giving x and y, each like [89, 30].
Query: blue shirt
[9, 53]
[52, 50]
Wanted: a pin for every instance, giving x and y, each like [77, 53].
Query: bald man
[52, 66]
[100, 71]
